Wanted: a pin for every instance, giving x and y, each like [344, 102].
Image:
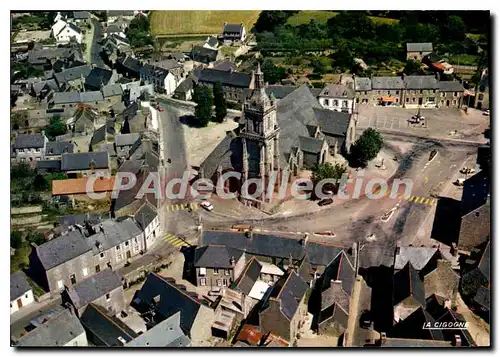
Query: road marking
[181, 207]
[174, 240]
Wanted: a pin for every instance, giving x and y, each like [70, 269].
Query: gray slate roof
[421, 82]
[362, 83]
[419, 47]
[290, 289]
[450, 86]
[168, 64]
[62, 249]
[233, 28]
[387, 83]
[407, 283]
[28, 141]
[111, 233]
[167, 333]
[336, 91]
[54, 148]
[113, 29]
[91, 289]
[73, 73]
[126, 139]
[111, 90]
[417, 256]
[332, 122]
[310, 145]
[475, 192]
[225, 65]
[145, 215]
[81, 15]
[91, 97]
[272, 246]
[250, 274]
[204, 55]
[216, 256]
[81, 161]
[97, 77]
[18, 285]
[72, 219]
[57, 331]
[66, 97]
[226, 78]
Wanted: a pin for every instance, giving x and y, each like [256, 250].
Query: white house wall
[26, 299]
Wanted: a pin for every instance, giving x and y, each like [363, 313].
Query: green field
[304, 17]
[199, 22]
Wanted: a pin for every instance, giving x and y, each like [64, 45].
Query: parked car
[459, 182]
[486, 112]
[207, 205]
[325, 202]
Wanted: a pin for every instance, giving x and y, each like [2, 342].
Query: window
[135, 240]
[433, 91]
[203, 281]
[454, 102]
[101, 255]
[203, 272]
[407, 100]
[117, 247]
[335, 103]
[366, 93]
[345, 103]
[397, 92]
[455, 94]
[477, 214]
[219, 282]
[97, 268]
[216, 271]
[413, 100]
[60, 284]
[26, 295]
[421, 91]
[108, 297]
[85, 271]
[72, 278]
[37, 150]
[126, 244]
[482, 88]
[443, 94]
[397, 100]
[480, 96]
[119, 257]
[227, 272]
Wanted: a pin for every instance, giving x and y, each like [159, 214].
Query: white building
[66, 33]
[337, 97]
[21, 294]
[148, 221]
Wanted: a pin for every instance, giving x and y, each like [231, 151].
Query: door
[447, 103]
[19, 303]
[129, 255]
[419, 101]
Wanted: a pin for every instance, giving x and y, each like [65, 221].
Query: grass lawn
[304, 17]
[199, 22]
[466, 60]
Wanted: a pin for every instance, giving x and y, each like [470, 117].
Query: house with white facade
[21, 293]
[164, 81]
[337, 97]
[29, 147]
[68, 32]
[147, 219]
[113, 29]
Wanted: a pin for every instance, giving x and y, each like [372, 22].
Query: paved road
[17, 327]
[96, 48]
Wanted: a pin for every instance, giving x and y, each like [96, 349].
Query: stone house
[362, 90]
[112, 93]
[129, 67]
[204, 56]
[284, 309]
[337, 97]
[104, 288]
[124, 143]
[475, 222]
[62, 261]
[55, 149]
[63, 329]
[417, 51]
[233, 33]
[217, 265]
[21, 293]
[85, 164]
[408, 292]
[166, 298]
[451, 94]
[387, 91]
[420, 91]
[163, 81]
[148, 220]
[29, 147]
[72, 78]
[233, 83]
[483, 92]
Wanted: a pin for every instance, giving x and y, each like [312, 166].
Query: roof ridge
[247, 266]
[176, 287]
[284, 284]
[104, 313]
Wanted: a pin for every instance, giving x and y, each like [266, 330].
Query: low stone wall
[25, 210]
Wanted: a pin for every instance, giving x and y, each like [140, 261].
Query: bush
[367, 147]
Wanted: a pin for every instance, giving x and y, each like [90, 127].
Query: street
[96, 47]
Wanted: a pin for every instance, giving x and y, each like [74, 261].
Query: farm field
[304, 17]
[208, 22]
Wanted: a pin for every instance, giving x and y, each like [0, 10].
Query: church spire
[259, 78]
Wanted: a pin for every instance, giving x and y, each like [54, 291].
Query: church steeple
[259, 78]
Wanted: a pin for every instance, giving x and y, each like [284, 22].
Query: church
[277, 137]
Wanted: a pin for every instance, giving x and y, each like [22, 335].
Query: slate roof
[113, 29]
[115, 13]
[91, 97]
[173, 298]
[227, 78]
[145, 215]
[484, 262]
[362, 83]
[290, 289]
[225, 65]
[411, 327]
[233, 28]
[104, 327]
[62, 249]
[81, 15]
[310, 145]
[168, 64]
[167, 333]
[421, 82]
[248, 277]
[57, 331]
[272, 246]
[91, 289]
[409, 343]
[204, 55]
[475, 192]
[126, 139]
[227, 154]
[111, 90]
[155, 72]
[54, 148]
[110, 233]
[48, 165]
[417, 256]
[453, 316]
[419, 47]
[336, 91]
[97, 77]
[132, 64]
[407, 283]
[332, 122]
[387, 83]
[18, 285]
[216, 256]
[73, 73]
[66, 97]
[28, 141]
[335, 294]
[341, 268]
[450, 86]
[72, 219]
[100, 134]
[186, 85]
[81, 161]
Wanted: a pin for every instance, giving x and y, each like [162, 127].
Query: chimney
[457, 341]
[305, 239]
[454, 250]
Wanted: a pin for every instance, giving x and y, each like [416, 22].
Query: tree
[35, 237]
[220, 102]
[367, 146]
[269, 20]
[138, 32]
[40, 183]
[16, 239]
[412, 67]
[55, 128]
[272, 73]
[328, 171]
[204, 100]
[453, 28]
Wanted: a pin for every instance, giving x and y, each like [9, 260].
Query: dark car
[325, 202]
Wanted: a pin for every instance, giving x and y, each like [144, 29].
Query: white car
[486, 112]
[207, 205]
